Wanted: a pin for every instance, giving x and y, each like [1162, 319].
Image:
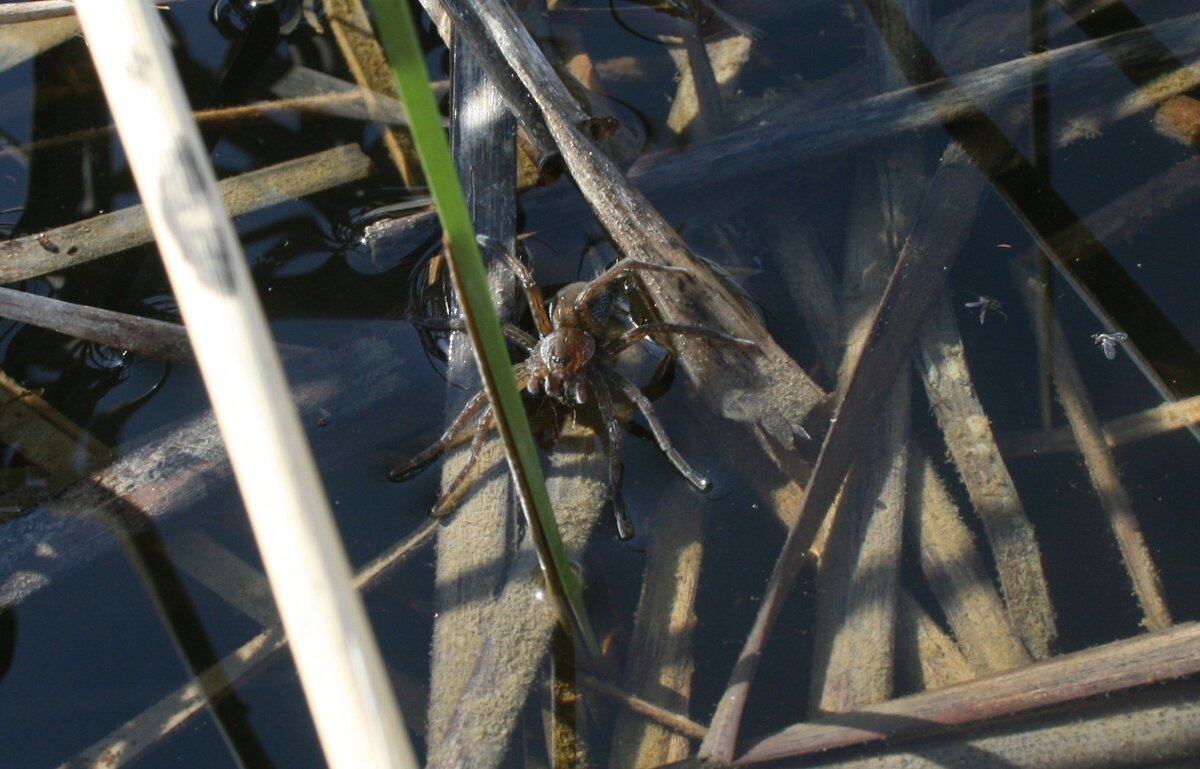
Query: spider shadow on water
[573, 359]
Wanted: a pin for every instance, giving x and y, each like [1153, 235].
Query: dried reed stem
[968, 435]
[83, 241]
[1072, 395]
[660, 665]
[1140, 426]
[956, 574]
[356, 38]
[1101, 670]
[926, 656]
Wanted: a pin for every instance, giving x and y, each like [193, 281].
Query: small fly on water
[1108, 342]
[985, 303]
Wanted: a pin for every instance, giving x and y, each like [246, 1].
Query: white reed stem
[343, 675]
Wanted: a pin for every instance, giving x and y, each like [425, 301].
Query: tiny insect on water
[1108, 342]
[985, 303]
[572, 357]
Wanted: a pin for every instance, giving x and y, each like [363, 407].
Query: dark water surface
[91, 651]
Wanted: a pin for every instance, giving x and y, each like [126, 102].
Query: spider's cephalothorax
[571, 360]
[556, 361]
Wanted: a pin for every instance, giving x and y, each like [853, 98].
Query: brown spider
[567, 361]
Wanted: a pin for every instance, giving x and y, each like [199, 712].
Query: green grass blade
[399, 39]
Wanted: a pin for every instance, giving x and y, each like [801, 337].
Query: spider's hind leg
[612, 427]
[660, 433]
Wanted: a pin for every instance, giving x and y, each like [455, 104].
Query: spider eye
[561, 362]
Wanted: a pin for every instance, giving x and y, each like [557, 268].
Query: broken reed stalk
[73, 244]
[339, 663]
[1102, 670]
[1140, 426]
[926, 656]
[697, 79]
[942, 364]
[931, 248]
[473, 549]
[1072, 396]
[144, 336]
[1132, 731]
[646, 710]
[361, 51]
[858, 582]
[355, 104]
[726, 59]
[957, 575]
[775, 144]
[34, 10]
[660, 666]
[854, 640]
[46, 437]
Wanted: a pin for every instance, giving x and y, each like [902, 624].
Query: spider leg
[511, 332]
[660, 434]
[618, 270]
[616, 470]
[519, 337]
[533, 294]
[442, 507]
[418, 463]
[638, 333]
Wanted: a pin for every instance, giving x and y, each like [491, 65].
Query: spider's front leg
[612, 427]
[660, 433]
[416, 464]
[646, 330]
[533, 293]
[511, 332]
[581, 302]
[422, 460]
[482, 427]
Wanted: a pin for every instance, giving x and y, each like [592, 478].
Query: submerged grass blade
[470, 282]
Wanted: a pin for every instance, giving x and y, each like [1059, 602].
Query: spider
[570, 359]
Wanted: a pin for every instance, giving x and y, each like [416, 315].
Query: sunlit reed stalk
[341, 670]
[403, 51]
